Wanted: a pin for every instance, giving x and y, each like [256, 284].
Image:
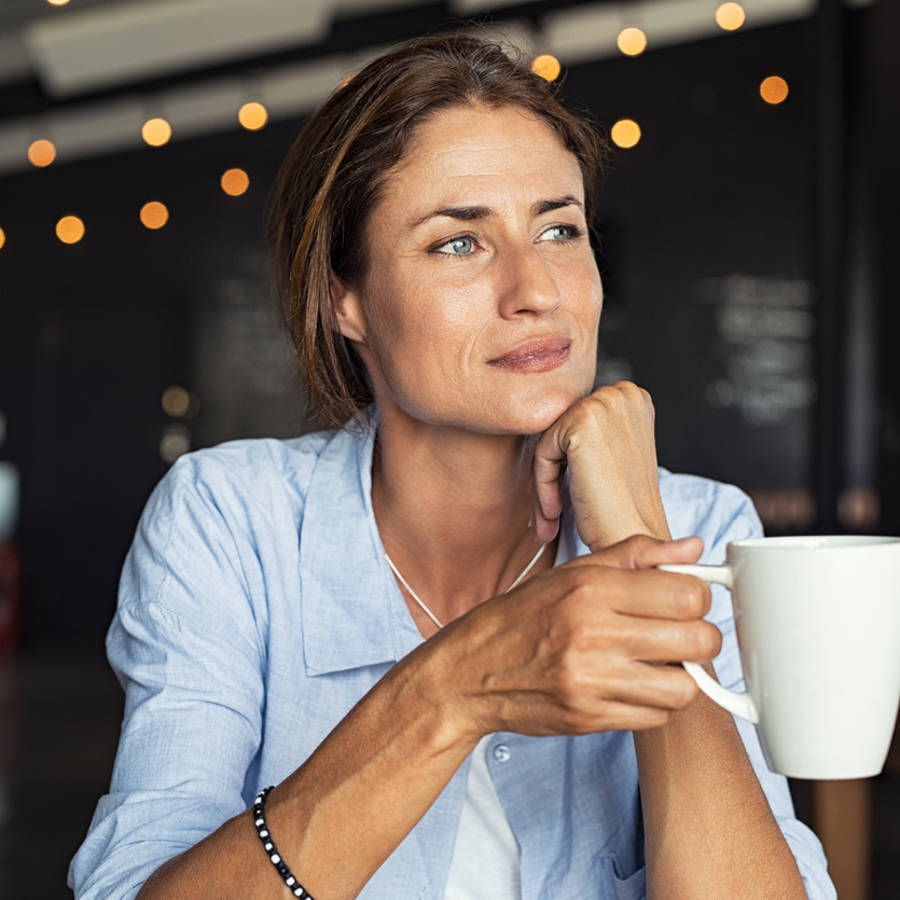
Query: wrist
[436, 685]
[623, 531]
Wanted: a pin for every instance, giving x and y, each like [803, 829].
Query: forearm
[342, 813]
[708, 828]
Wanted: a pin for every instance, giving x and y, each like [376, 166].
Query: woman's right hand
[581, 648]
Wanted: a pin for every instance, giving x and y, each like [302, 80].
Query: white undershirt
[486, 856]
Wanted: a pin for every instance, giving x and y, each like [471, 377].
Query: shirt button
[501, 753]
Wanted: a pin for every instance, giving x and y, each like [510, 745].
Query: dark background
[748, 254]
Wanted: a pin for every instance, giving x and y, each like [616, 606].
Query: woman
[438, 631]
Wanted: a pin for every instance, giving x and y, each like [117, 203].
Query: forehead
[475, 152]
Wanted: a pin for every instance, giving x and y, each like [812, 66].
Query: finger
[642, 552]
[651, 593]
[660, 687]
[667, 641]
[549, 460]
[545, 530]
[614, 715]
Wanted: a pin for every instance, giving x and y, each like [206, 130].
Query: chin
[534, 415]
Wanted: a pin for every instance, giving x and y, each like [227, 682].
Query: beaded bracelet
[259, 820]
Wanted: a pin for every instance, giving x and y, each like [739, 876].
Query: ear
[348, 309]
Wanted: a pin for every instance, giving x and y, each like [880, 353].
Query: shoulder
[716, 511]
[252, 467]
[257, 485]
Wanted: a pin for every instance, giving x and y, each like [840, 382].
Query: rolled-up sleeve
[186, 646]
[734, 518]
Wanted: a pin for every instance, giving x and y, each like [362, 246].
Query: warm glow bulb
[154, 214]
[2, 238]
[235, 182]
[625, 133]
[41, 153]
[632, 41]
[70, 229]
[773, 89]
[253, 116]
[57, 2]
[546, 66]
[176, 401]
[730, 16]
[156, 132]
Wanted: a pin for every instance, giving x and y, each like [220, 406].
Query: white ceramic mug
[818, 626]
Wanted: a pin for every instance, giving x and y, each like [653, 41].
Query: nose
[528, 284]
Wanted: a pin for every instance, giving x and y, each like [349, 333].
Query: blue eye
[458, 246]
[562, 233]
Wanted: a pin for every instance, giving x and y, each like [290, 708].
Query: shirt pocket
[615, 887]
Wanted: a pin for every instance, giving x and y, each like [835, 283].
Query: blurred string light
[730, 16]
[2, 238]
[70, 229]
[175, 441]
[625, 133]
[176, 401]
[156, 132]
[154, 215]
[41, 153]
[253, 116]
[235, 182]
[547, 66]
[632, 41]
[773, 89]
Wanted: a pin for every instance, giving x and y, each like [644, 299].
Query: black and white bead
[259, 821]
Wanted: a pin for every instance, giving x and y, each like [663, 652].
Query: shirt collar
[349, 599]
[352, 611]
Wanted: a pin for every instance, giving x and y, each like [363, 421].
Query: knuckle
[581, 414]
[693, 598]
[572, 721]
[706, 640]
[570, 683]
[685, 691]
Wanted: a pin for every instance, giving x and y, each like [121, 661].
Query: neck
[453, 510]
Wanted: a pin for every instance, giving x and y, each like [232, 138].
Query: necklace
[429, 613]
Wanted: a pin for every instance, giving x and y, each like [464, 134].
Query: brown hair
[331, 178]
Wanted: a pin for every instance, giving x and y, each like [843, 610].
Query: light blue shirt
[256, 608]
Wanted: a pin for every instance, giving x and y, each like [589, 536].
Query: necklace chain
[428, 612]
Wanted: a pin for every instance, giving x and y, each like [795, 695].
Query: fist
[607, 442]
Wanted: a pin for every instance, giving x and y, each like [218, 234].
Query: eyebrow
[472, 213]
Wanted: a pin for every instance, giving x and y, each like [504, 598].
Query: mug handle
[740, 704]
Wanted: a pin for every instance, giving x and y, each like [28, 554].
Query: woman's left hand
[606, 441]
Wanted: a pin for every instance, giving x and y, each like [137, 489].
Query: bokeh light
[57, 2]
[625, 133]
[730, 16]
[2, 238]
[632, 41]
[41, 153]
[154, 214]
[70, 229]
[235, 182]
[253, 116]
[175, 441]
[547, 66]
[156, 132]
[176, 401]
[773, 89]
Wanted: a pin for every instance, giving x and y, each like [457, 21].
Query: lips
[535, 355]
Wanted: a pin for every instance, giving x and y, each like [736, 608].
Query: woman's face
[481, 298]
